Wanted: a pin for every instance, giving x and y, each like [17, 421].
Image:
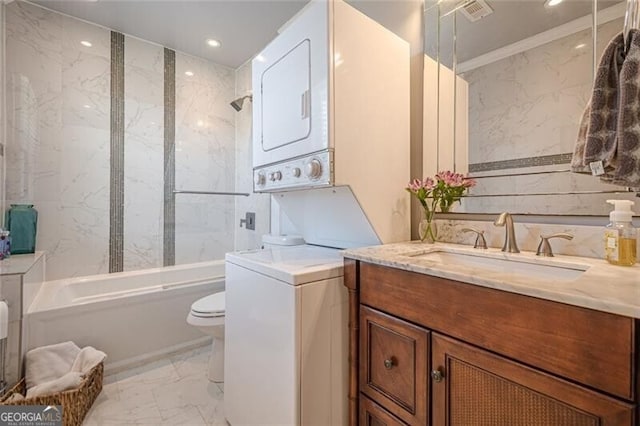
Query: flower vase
[427, 229]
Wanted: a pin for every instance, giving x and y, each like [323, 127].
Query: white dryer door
[290, 80]
[286, 102]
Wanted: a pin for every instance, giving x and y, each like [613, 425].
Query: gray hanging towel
[598, 129]
[627, 172]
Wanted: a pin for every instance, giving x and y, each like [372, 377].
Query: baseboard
[137, 361]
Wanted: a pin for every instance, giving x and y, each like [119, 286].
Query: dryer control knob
[313, 169]
[296, 172]
[277, 175]
[260, 179]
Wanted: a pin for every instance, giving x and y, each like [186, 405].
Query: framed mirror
[506, 85]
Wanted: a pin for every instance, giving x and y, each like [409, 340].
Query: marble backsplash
[587, 240]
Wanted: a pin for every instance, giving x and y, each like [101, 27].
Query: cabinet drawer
[372, 414]
[591, 347]
[394, 365]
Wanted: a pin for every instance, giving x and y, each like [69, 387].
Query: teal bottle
[22, 222]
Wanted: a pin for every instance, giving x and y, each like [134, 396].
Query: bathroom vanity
[442, 334]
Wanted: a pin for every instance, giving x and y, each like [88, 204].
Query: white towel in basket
[59, 367]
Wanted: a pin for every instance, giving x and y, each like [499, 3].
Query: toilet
[207, 314]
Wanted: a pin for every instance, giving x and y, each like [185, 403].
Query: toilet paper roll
[4, 319]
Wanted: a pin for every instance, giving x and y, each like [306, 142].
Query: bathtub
[132, 316]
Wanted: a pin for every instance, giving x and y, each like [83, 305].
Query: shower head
[237, 104]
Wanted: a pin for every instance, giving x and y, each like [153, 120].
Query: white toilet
[207, 314]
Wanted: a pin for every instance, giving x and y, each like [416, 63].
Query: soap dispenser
[620, 237]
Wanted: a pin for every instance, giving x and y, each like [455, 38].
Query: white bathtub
[132, 316]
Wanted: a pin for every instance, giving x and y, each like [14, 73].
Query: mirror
[506, 84]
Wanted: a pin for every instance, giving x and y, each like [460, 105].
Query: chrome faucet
[510, 243]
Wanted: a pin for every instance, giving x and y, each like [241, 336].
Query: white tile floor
[171, 391]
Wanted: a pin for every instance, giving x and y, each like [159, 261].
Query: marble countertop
[19, 263]
[602, 286]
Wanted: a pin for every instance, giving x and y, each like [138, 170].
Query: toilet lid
[209, 306]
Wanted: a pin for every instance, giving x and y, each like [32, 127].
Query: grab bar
[241, 194]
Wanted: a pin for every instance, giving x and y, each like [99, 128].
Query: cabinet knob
[437, 376]
[388, 363]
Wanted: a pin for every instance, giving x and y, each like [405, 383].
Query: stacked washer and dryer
[331, 143]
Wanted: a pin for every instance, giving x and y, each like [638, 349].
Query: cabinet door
[372, 414]
[394, 363]
[474, 387]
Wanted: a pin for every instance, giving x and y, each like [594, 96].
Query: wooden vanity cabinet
[431, 351]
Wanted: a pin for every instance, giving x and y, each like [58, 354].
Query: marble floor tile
[192, 363]
[170, 391]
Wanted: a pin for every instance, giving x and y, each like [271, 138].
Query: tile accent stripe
[116, 202]
[518, 163]
[169, 232]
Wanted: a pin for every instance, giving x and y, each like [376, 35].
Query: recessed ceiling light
[581, 45]
[86, 43]
[213, 43]
[188, 73]
[87, 106]
[552, 2]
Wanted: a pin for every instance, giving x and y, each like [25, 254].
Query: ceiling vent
[475, 10]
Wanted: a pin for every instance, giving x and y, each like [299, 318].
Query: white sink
[542, 268]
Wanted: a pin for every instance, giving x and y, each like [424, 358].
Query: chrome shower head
[237, 103]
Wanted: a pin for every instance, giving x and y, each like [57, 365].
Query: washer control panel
[303, 172]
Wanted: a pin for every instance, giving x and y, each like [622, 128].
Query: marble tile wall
[2, 110]
[258, 203]
[529, 105]
[58, 134]
[205, 159]
[59, 152]
[144, 154]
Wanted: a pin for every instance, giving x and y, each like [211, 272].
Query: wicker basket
[76, 402]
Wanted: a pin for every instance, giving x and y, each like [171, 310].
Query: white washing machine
[286, 351]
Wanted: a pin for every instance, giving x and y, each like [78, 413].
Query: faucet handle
[480, 241]
[544, 248]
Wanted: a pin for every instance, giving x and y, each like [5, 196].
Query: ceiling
[244, 27]
[511, 21]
